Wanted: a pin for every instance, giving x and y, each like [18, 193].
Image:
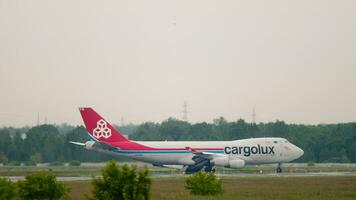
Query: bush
[56, 163]
[41, 186]
[14, 163]
[7, 189]
[30, 163]
[204, 184]
[74, 163]
[122, 183]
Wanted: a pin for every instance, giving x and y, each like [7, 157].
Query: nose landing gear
[279, 168]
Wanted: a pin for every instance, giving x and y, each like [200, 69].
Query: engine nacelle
[230, 163]
[89, 144]
[237, 163]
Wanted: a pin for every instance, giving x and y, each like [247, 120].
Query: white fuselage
[252, 151]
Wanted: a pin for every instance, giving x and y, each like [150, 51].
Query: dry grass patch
[251, 188]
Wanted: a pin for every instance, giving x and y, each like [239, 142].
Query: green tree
[5, 141]
[173, 129]
[7, 189]
[127, 129]
[321, 143]
[203, 183]
[36, 157]
[47, 140]
[121, 183]
[352, 150]
[41, 186]
[3, 158]
[147, 131]
[16, 149]
[203, 131]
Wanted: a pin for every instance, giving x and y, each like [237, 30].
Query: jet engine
[228, 162]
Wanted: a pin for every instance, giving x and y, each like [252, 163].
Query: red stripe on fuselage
[130, 145]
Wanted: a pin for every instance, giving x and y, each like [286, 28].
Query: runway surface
[85, 178]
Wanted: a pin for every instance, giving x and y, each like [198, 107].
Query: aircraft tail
[98, 128]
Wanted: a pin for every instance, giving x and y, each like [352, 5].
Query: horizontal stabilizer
[77, 143]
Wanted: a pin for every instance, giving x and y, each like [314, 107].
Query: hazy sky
[291, 60]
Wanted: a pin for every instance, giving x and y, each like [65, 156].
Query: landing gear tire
[209, 169]
[279, 168]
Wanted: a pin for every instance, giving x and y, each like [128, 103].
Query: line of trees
[49, 143]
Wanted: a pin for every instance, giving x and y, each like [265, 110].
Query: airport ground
[299, 181]
[251, 188]
[93, 169]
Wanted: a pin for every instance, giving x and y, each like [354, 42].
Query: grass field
[91, 170]
[252, 188]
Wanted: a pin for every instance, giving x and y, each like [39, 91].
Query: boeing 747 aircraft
[191, 156]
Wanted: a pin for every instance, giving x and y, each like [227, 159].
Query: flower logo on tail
[101, 130]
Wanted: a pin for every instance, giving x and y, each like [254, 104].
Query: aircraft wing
[202, 159]
[204, 154]
[207, 159]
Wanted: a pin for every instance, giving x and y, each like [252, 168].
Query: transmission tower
[38, 118]
[253, 116]
[185, 111]
[122, 121]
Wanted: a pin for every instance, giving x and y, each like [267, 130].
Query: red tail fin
[99, 128]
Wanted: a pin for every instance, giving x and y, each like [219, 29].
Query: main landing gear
[212, 170]
[209, 168]
[279, 168]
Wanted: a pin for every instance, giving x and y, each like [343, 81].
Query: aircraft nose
[299, 152]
